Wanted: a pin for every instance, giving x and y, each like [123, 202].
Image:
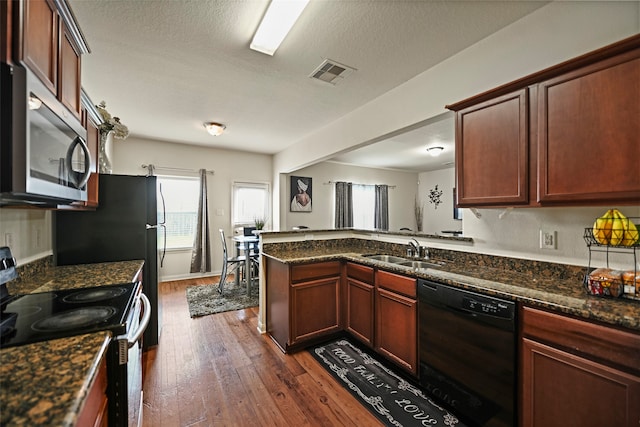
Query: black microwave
[44, 158]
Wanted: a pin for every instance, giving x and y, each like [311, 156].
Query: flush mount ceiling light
[435, 151]
[214, 128]
[276, 24]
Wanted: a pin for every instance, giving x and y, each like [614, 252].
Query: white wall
[27, 232]
[518, 232]
[228, 165]
[437, 219]
[401, 198]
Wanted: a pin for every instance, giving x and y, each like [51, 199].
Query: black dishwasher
[467, 353]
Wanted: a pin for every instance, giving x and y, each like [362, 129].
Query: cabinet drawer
[603, 343]
[360, 272]
[396, 283]
[306, 272]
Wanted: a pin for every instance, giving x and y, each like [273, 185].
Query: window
[250, 200]
[364, 205]
[181, 204]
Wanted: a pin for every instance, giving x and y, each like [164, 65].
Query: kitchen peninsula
[555, 287]
[321, 283]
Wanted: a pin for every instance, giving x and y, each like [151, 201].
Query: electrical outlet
[38, 238]
[548, 239]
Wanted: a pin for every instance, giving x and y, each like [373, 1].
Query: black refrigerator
[124, 227]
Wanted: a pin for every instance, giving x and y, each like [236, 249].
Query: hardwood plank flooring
[218, 370]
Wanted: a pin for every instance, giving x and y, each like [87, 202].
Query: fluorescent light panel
[276, 24]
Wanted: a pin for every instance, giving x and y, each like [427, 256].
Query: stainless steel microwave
[44, 158]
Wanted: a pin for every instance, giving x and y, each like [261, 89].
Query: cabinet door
[588, 134]
[492, 143]
[396, 328]
[359, 311]
[561, 389]
[40, 40]
[95, 410]
[69, 84]
[315, 308]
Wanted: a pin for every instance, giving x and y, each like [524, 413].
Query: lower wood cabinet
[314, 308]
[578, 373]
[95, 411]
[303, 302]
[359, 313]
[307, 302]
[396, 319]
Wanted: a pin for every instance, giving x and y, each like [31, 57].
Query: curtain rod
[355, 183]
[168, 168]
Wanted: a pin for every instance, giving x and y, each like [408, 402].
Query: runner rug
[390, 398]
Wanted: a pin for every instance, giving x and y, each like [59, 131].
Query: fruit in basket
[631, 235]
[613, 228]
[602, 228]
[617, 228]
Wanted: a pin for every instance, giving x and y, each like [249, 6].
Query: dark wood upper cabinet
[589, 133]
[50, 44]
[39, 49]
[567, 135]
[69, 83]
[492, 142]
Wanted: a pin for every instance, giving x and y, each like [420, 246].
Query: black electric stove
[49, 315]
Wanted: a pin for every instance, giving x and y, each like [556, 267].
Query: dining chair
[229, 264]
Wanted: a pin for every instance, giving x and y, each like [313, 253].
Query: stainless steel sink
[386, 258]
[419, 264]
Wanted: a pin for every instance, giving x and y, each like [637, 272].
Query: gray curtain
[344, 205]
[200, 254]
[381, 214]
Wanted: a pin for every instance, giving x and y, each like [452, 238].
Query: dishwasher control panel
[492, 307]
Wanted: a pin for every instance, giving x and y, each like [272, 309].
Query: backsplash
[363, 246]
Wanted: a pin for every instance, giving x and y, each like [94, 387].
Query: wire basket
[618, 237]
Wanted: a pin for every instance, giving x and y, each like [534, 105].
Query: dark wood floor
[218, 370]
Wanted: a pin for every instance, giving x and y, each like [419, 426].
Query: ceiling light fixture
[280, 17]
[214, 128]
[435, 151]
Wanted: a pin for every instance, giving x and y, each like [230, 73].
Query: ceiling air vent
[331, 72]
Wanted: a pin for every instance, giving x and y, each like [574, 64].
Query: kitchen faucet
[416, 250]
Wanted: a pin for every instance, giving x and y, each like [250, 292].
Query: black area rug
[205, 299]
[394, 401]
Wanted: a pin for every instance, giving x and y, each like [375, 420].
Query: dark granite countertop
[542, 285]
[46, 383]
[53, 278]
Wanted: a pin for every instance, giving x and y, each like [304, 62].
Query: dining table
[243, 244]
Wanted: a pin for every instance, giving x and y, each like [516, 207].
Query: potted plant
[259, 223]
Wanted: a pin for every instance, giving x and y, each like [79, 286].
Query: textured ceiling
[165, 67]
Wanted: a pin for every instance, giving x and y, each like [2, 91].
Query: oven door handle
[146, 310]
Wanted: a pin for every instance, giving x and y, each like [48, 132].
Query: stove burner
[29, 310]
[93, 295]
[76, 318]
